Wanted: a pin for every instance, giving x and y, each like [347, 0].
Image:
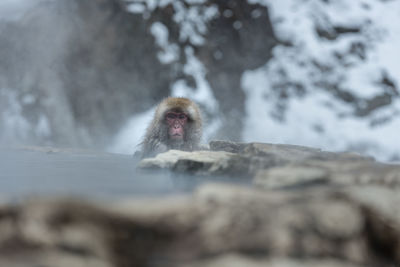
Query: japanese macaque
[176, 124]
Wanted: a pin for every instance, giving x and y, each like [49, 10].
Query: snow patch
[296, 22]
[136, 8]
[202, 94]
[355, 47]
[14, 124]
[128, 139]
[311, 120]
[191, 16]
[169, 52]
[43, 129]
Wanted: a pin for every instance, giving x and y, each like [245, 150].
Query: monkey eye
[174, 116]
[171, 116]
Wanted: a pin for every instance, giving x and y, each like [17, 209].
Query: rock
[294, 153]
[218, 225]
[265, 162]
[235, 260]
[194, 162]
[342, 172]
[288, 152]
[289, 176]
[367, 174]
[233, 147]
[209, 163]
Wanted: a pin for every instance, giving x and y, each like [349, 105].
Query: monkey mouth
[177, 136]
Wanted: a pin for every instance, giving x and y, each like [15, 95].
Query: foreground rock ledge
[300, 207]
[218, 225]
[277, 166]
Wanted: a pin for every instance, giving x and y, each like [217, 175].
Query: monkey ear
[192, 112]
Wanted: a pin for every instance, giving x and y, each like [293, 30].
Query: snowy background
[362, 63]
[328, 79]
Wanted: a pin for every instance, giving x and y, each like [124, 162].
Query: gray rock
[236, 260]
[290, 175]
[200, 162]
[257, 159]
[210, 163]
[341, 172]
[216, 226]
[228, 146]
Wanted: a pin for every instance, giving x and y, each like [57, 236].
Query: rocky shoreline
[298, 206]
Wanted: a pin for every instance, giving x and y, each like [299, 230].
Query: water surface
[33, 172]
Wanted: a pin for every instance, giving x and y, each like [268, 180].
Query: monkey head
[176, 124]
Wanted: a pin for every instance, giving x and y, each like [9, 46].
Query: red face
[176, 122]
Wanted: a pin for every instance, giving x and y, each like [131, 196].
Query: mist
[88, 74]
[15, 9]
[300, 103]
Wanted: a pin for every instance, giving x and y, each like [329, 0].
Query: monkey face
[176, 122]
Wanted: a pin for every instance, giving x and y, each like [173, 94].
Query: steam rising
[81, 74]
[15, 9]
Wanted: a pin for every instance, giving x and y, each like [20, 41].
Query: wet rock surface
[297, 206]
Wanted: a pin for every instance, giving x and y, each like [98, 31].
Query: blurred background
[88, 73]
